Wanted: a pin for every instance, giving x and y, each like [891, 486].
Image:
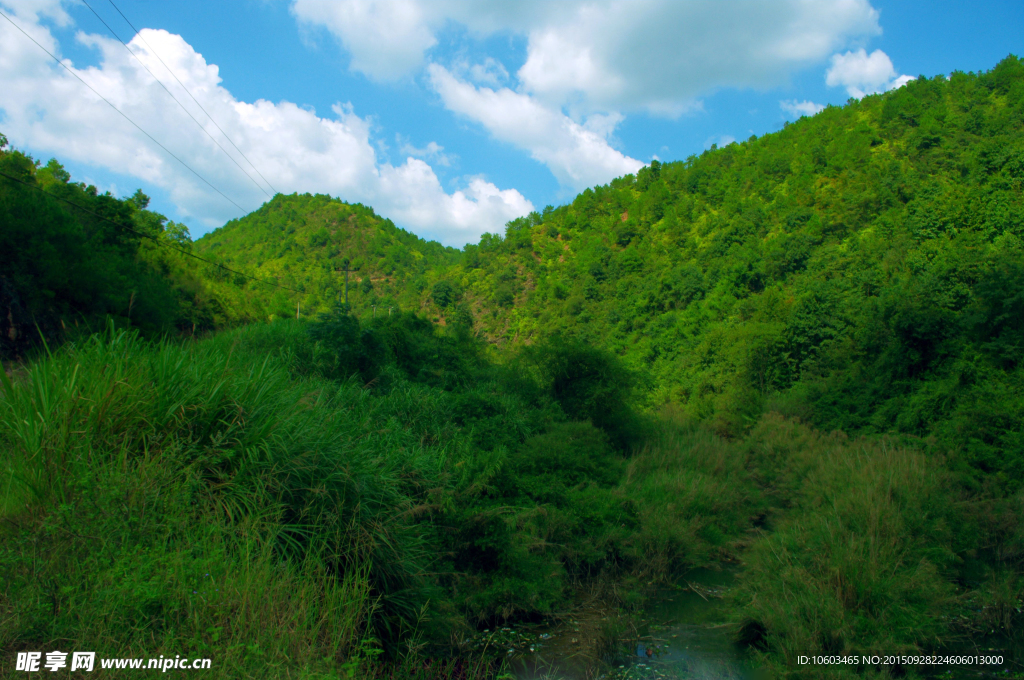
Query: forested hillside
[800, 354]
[71, 257]
[861, 269]
[306, 242]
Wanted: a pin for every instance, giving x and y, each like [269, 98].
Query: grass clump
[694, 495]
[178, 498]
[873, 546]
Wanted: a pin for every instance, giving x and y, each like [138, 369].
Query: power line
[124, 115]
[159, 82]
[142, 234]
[191, 95]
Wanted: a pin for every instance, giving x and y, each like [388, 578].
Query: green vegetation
[859, 270]
[63, 267]
[873, 545]
[306, 242]
[173, 496]
[800, 351]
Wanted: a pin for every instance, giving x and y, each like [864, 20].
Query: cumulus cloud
[900, 81]
[797, 109]
[661, 56]
[45, 108]
[863, 74]
[578, 155]
[589, 62]
[591, 56]
[32, 10]
[490, 72]
[386, 40]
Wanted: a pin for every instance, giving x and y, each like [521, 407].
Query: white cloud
[797, 109]
[387, 40]
[603, 125]
[432, 151]
[608, 55]
[900, 82]
[416, 197]
[588, 62]
[662, 55]
[863, 74]
[32, 10]
[491, 72]
[578, 155]
[46, 109]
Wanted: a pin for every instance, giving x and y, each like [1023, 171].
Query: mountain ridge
[804, 352]
[858, 269]
[851, 269]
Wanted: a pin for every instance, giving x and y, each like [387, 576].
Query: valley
[762, 403]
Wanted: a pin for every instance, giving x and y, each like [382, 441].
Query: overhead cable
[171, 94]
[122, 113]
[169, 70]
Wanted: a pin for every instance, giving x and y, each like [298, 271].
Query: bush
[444, 294]
[589, 384]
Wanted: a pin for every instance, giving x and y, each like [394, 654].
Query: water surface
[682, 634]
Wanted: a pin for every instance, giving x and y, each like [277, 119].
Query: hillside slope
[304, 242]
[860, 269]
[74, 259]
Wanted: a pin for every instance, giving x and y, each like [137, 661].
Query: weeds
[869, 555]
[223, 498]
[179, 498]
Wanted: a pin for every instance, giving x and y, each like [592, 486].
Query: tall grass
[694, 496]
[871, 554]
[857, 546]
[222, 498]
[170, 499]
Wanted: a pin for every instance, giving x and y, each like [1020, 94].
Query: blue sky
[448, 116]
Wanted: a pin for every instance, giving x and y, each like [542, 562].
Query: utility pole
[375, 311]
[389, 310]
[298, 307]
[346, 270]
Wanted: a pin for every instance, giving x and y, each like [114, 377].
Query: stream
[681, 634]
[684, 634]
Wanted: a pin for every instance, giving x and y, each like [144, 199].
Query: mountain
[860, 269]
[607, 395]
[304, 243]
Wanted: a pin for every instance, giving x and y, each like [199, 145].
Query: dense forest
[800, 353]
[860, 269]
